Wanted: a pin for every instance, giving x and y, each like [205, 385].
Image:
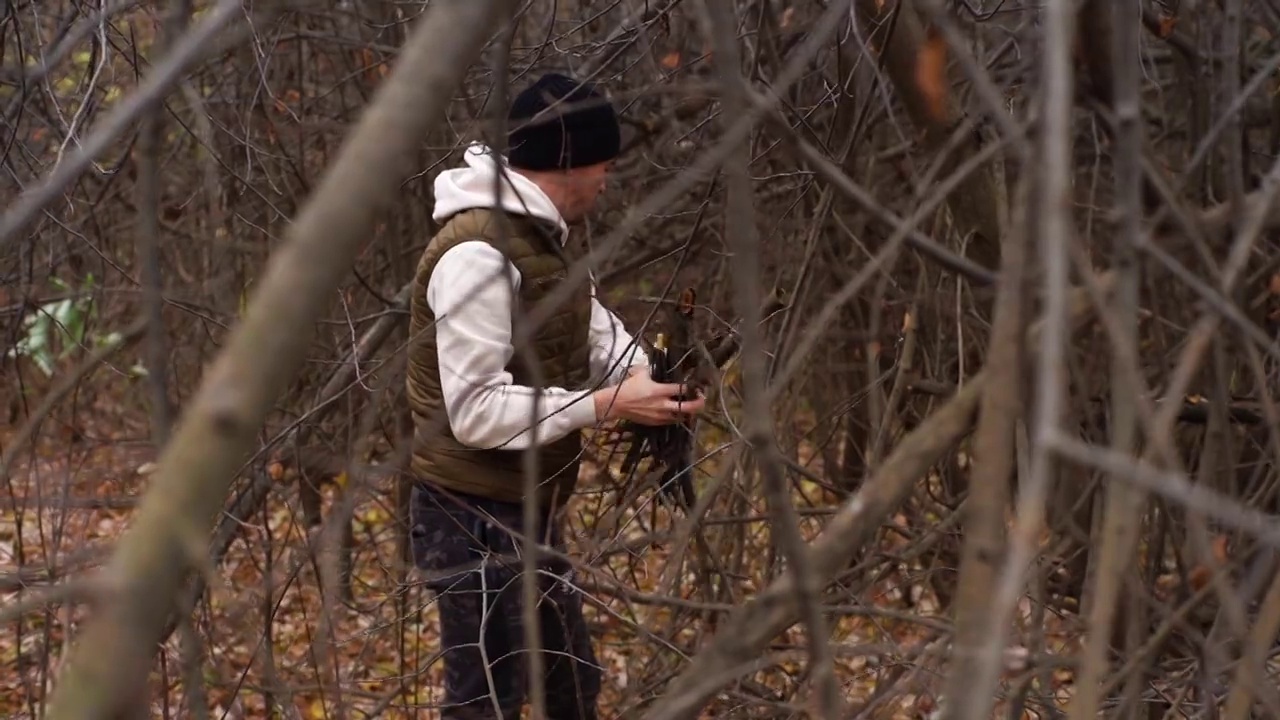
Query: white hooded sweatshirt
[472, 305]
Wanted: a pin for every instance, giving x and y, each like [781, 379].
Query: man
[495, 256]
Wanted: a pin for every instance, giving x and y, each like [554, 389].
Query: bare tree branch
[744, 635]
[187, 51]
[263, 352]
[994, 458]
[1053, 206]
[66, 385]
[740, 225]
[1121, 521]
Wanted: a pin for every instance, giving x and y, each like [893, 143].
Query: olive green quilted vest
[560, 345]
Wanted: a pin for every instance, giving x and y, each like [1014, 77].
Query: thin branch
[66, 384]
[741, 229]
[825, 26]
[263, 352]
[1175, 486]
[994, 447]
[1122, 515]
[187, 51]
[749, 630]
[1053, 215]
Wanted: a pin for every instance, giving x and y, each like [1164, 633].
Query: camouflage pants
[461, 546]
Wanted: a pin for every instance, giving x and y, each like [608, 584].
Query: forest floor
[261, 624]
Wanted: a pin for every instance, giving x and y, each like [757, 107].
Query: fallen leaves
[1199, 576]
[290, 98]
[788, 16]
[1221, 547]
[385, 649]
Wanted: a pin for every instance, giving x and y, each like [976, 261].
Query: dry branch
[915, 62]
[829, 171]
[853, 221]
[1229, 512]
[1122, 516]
[740, 225]
[249, 501]
[187, 50]
[994, 458]
[1251, 672]
[106, 673]
[66, 384]
[1052, 210]
[824, 27]
[748, 631]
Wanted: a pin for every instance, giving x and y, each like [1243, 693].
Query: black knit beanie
[581, 129]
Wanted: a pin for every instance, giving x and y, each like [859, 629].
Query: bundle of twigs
[678, 357]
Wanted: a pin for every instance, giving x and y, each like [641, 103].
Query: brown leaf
[685, 304]
[1199, 577]
[1167, 22]
[1274, 285]
[787, 16]
[1220, 549]
[931, 75]
[671, 60]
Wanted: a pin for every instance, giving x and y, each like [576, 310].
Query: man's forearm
[504, 416]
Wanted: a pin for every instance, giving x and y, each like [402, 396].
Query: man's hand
[641, 400]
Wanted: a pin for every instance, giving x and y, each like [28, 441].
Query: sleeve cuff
[582, 410]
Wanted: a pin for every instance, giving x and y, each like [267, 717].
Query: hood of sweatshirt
[472, 186]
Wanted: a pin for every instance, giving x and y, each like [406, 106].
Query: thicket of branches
[1006, 449]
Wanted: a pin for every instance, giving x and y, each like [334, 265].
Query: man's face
[583, 187]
